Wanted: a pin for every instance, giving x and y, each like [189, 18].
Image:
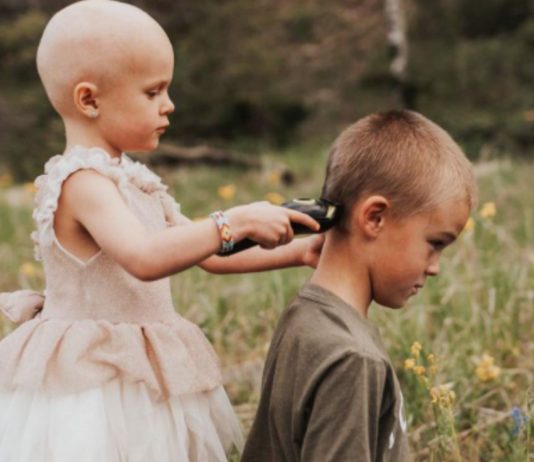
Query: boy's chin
[390, 302]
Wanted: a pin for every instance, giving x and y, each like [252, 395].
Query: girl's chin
[142, 149]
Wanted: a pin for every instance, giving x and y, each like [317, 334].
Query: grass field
[463, 348]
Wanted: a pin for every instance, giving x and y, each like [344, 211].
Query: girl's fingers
[272, 237]
[303, 219]
[280, 234]
[289, 235]
[286, 235]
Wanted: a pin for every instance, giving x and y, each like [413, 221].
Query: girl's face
[407, 251]
[134, 109]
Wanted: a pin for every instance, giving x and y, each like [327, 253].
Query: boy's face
[407, 251]
[134, 109]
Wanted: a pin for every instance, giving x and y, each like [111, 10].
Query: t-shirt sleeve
[344, 412]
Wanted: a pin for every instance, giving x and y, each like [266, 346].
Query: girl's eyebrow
[158, 83]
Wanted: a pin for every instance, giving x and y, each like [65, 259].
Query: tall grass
[463, 348]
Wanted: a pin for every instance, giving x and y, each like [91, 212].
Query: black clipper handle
[324, 212]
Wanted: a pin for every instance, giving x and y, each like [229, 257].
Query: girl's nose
[167, 107]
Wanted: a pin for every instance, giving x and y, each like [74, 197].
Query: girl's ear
[85, 99]
[370, 215]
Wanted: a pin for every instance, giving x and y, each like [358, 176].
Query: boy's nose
[433, 268]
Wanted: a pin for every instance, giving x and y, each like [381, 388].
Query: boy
[329, 390]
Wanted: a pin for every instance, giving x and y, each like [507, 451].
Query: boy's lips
[416, 288]
[161, 130]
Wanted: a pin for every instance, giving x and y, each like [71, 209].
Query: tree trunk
[396, 35]
[172, 155]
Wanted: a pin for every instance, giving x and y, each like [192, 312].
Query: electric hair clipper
[326, 213]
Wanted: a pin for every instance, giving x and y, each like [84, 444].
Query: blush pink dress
[106, 370]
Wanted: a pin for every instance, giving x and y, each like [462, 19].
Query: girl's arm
[299, 252]
[94, 202]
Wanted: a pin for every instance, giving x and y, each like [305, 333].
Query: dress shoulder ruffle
[122, 170]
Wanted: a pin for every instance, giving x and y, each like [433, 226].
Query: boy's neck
[342, 271]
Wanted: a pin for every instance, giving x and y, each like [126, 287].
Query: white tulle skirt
[118, 422]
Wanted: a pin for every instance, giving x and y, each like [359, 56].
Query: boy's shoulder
[318, 324]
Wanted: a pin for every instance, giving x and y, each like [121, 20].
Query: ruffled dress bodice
[96, 282]
[99, 323]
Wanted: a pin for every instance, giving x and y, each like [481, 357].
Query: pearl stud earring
[93, 113]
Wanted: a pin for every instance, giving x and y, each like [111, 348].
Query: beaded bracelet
[227, 243]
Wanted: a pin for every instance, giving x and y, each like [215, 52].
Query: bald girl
[94, 43]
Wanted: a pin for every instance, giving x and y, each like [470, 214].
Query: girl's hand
[268, 225]
[312, 250]
[305, 251]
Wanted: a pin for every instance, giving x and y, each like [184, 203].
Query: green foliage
[278, 72]
[491, 18]
[17, 43]
[472, 69]
[29, 130]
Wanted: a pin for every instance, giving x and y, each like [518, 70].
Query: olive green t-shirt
[329, 391]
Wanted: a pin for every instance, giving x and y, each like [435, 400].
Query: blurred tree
[473, 68]
[273, 71]
[396, 35]
[492, 18]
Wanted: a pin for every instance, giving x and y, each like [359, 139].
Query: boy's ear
[85, 99]
[371, 215]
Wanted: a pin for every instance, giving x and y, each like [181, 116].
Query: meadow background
[272, 82]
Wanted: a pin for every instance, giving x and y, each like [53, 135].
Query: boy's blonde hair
[402, 156]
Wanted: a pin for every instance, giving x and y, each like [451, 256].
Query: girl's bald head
[94, 41]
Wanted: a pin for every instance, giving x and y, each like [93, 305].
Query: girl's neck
[84, 134]
[342, 271]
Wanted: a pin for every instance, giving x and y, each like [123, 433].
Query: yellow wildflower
[442, 395]
[488, 210]
[486, 369]
[227, 192]
[30, 187]
[6, 180]
[419, 370]
[434, 394]
[431, 358]
[28, 269]
[416, 349]
[409, 363]
[469, 225]
[275, 198]
[274, 177]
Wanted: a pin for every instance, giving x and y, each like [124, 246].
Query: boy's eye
[437, 244]
[152, 93]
